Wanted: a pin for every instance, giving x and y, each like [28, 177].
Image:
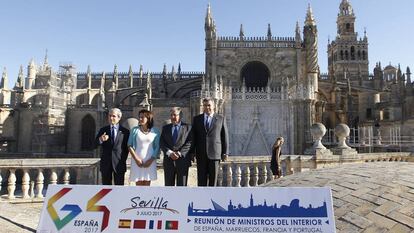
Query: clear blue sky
[102, 33]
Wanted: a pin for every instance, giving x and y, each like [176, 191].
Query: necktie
[207, 123]
[175, 134]
[113, 134]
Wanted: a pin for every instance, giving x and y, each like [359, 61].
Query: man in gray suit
[210, 143]
[175, 142]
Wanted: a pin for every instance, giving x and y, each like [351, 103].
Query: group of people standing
[206, 141]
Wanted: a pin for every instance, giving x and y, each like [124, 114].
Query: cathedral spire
[241, 34]
[173, 73]
[4, 80]
[130, 76]
[310, 38]
[209, 28]
[149, 85]
[298, 38]
[103, 81]
[115, 77]
[310, 20]
[19, 81]
[399, 73]
[31, 74]
[141, 74]
[209, 18]
[89, 77]
[45, 62]
[408, 74]
[269, 32]
[365, 34]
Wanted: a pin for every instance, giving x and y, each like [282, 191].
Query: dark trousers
[207, 171]
[107, 177]
[176, 172]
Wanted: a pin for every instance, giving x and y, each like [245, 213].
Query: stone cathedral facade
[266, 86]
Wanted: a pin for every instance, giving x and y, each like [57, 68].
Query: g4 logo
[75, 210]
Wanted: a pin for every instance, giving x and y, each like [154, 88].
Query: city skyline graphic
[261, 210]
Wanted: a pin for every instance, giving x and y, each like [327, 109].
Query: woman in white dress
[144, 147]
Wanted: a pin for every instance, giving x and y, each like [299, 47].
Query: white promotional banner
[95, 208]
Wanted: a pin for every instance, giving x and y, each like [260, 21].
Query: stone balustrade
[246, 171]
[31, 176]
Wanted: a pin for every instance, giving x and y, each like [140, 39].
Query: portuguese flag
[171, 225]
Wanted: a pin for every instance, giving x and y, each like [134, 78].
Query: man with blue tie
[175, 143]
[113, 139]
[209, 143]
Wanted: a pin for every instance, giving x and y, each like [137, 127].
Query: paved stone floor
[367, 197]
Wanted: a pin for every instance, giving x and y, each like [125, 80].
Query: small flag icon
[171, 225]
[124, 223]
[159, 225]
[139, 224]
[151, 224]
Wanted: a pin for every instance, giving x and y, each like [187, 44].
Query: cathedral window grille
[87, 133]
[342, 55]
[346, 55]
[364, 55]
[359, 55]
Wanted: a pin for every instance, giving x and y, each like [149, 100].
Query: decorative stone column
[318, 130]
[343, 150]
[40, 183]
[25, 184]
[11, 184]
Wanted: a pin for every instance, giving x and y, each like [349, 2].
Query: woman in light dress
[144, 147]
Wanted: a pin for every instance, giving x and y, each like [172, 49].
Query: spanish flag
[171, 225]
[124, 223]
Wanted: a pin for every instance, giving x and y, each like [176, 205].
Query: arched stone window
[359, 54]
[82, 99]
[87, 133]
[346, 55]
[255, 74]
[364, 55]
[97, 99]
[352, 53]
[348, 27]
[342, 55]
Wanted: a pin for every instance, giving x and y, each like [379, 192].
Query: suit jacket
[182, 144]
[115, 153]
[212, 143]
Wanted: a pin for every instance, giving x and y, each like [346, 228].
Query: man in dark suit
[175, 143]
[113, 138]
[210, 143]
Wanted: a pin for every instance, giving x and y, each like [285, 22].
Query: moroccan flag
[124, 223]
[139, 224]
[171, 225]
